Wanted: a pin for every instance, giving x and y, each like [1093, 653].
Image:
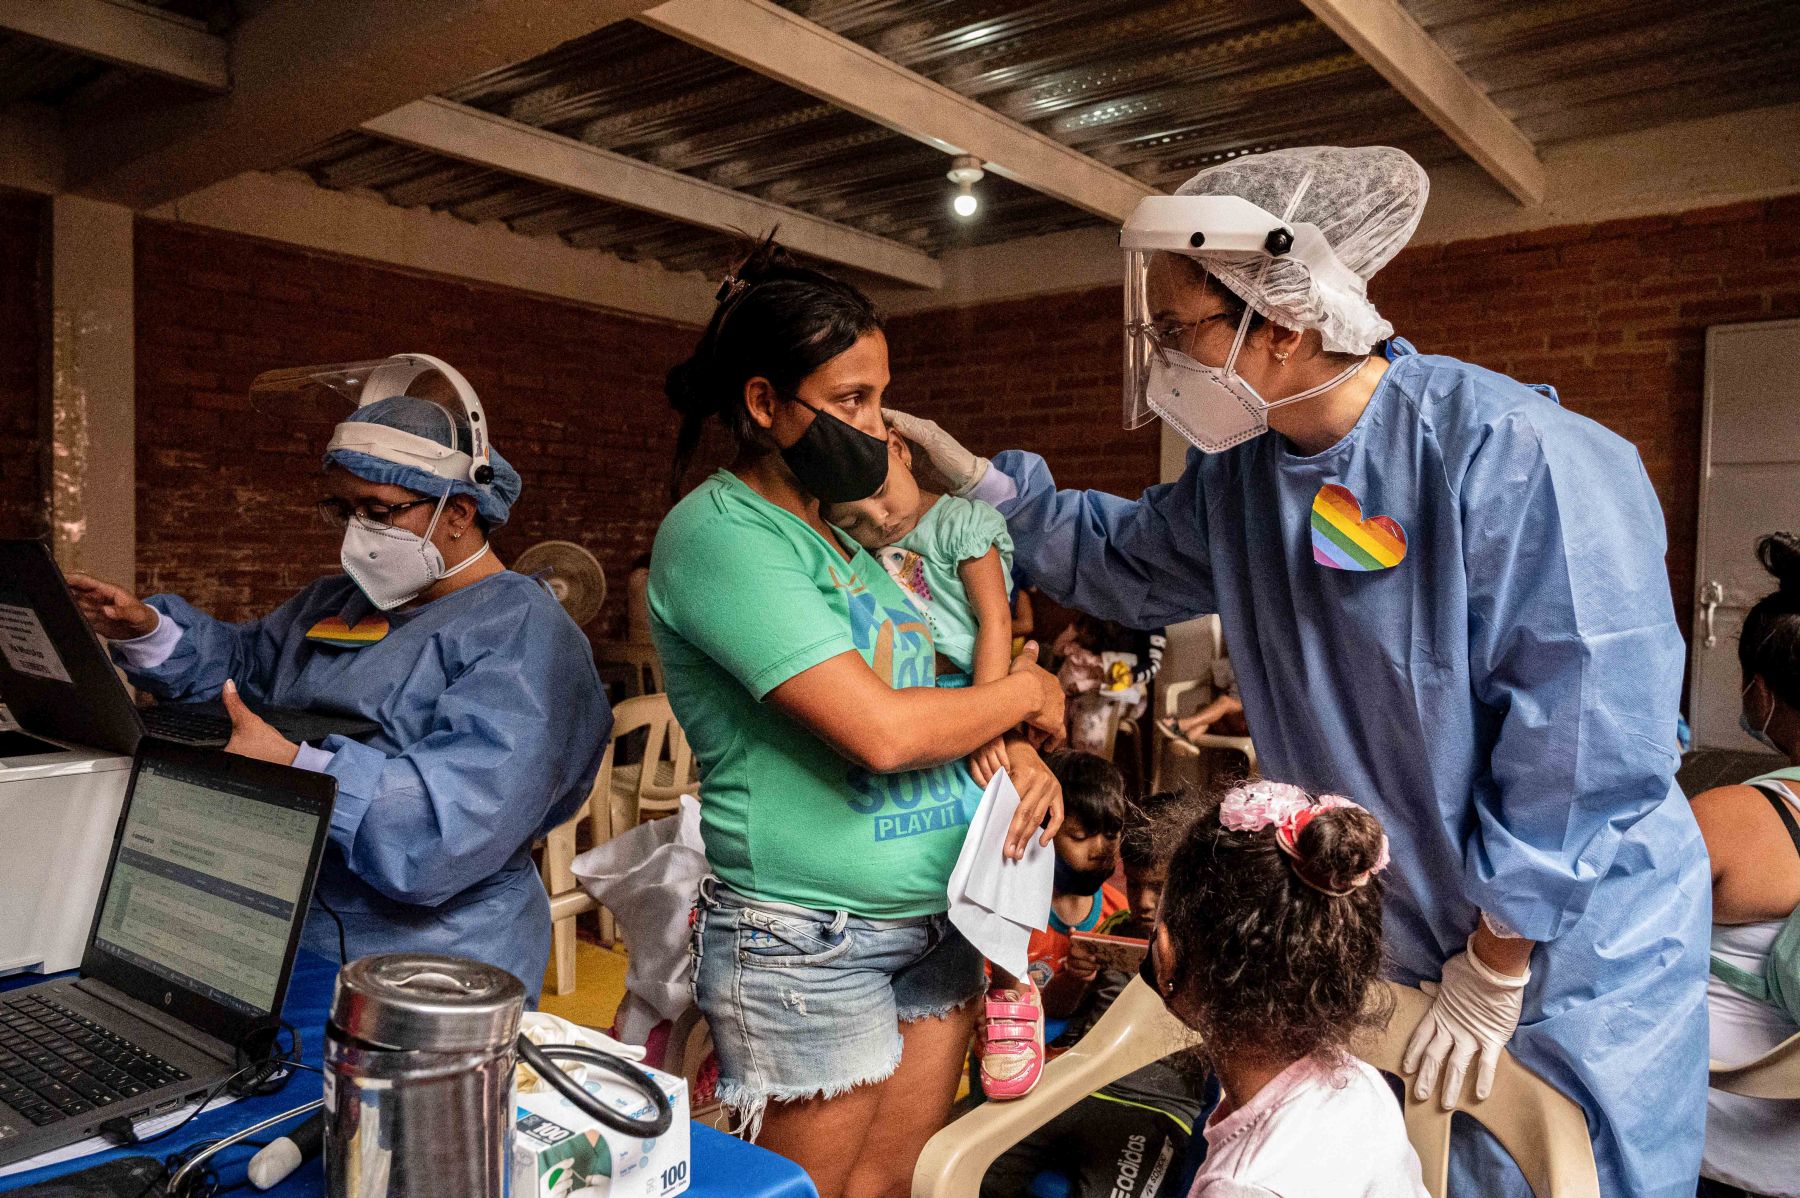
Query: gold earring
[1282, 357]
[456, 536]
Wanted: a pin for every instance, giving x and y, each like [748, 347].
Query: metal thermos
[419, 1078]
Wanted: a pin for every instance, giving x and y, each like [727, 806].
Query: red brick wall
[21, 397]
[1041, 374]
[1614, 315]
[225, 493]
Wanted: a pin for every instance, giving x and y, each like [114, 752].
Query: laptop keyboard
[56, 1063]
[187, 726]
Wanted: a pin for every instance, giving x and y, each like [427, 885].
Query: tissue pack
[560, 1151]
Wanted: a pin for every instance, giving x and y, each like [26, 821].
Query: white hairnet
[1366, 201]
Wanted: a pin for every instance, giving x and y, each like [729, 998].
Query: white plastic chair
[1170, 745]
[620, 797]
[635, 663]
[1545, 1131]
[1198, 692]
[1775, 1074]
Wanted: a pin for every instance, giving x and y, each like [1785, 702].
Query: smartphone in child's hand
[1123, 953]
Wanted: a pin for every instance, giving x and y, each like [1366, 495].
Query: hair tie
[1288, 810]
[729, 289]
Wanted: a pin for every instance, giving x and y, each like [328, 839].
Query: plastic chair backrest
[645, 676]
[1545, 1132]
[1775, 1074]
[665, 745]
[1168, 745]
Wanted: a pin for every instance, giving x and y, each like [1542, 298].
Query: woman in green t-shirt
[835, 794]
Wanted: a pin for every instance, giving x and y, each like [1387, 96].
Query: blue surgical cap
[422, 418]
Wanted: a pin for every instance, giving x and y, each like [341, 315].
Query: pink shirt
[1325, 1127]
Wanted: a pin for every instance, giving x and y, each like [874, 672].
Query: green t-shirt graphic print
[744, 596]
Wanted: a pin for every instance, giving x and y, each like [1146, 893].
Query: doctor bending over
[1444, 597]
[492, 720]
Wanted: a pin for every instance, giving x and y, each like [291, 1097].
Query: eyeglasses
[1177, 335]
[337, 512]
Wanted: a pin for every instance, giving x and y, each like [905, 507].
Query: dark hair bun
[1779, 553]
[769, 260]
[1338, 846]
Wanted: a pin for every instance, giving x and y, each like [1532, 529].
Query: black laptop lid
[55, 676]
[206, 894]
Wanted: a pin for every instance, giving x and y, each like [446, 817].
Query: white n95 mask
[391, 565]
[1213, 406]
[1199, 402]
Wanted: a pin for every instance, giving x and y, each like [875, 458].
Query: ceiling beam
[483, 139]
[129, 35]
[302, 72]
[31, 157]
[786, 47]
[290, 208]
[1398, 47]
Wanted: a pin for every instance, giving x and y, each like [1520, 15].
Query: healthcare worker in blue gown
[1444, 596]
[492, 719]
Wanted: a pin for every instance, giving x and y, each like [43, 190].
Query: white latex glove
[959, 468]
[1476, 1011]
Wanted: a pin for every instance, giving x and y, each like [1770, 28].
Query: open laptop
[58, 680]
[193, 942]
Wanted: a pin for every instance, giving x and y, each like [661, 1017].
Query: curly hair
[1265, 958]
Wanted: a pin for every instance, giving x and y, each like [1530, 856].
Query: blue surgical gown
[1504, 699]
[492, 727]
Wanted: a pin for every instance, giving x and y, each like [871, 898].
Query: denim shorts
[808, 1004]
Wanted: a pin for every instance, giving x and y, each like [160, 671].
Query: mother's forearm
[886, 729]
[930, 726]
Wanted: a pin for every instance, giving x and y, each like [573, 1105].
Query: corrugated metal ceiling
[1566, 69]
[1155, 89]
[35, 73]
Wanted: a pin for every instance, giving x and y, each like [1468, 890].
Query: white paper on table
[143, 1127]
[995, 901]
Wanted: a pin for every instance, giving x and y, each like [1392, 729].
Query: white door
[1749, 486]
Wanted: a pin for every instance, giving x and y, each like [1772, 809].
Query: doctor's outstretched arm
[1142, 562]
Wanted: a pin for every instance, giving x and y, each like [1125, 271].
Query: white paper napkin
[995, 901]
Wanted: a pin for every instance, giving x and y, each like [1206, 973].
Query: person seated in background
[1222, 715]
[1132, 1136]
[1752, 834]
[1082, 898]
[1268, 945]
[492, 721]
[953, 559]
[1106, 670]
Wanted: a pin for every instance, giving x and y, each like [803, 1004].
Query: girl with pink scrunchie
[1268, 945]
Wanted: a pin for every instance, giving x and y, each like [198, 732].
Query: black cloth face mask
[836, 461]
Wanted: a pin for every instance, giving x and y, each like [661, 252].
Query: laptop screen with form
[207, 885]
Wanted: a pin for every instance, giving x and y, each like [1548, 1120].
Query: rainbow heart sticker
[333, 631]
[1343, 540]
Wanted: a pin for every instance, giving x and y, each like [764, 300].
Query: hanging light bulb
[965, 171]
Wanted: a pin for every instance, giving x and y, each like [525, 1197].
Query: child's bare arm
[984, 580]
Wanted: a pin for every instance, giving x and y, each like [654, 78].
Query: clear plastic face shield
[319, 400]
[1211, 405]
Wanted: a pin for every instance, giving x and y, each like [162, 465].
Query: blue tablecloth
[723, 1167]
